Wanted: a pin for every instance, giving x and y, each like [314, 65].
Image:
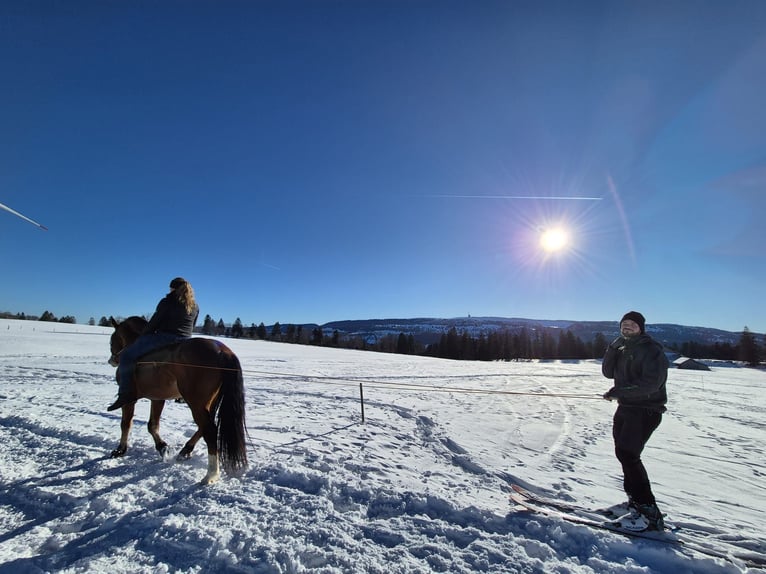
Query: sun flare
[554, 239]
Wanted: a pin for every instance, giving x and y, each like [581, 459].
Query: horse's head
[125, 333]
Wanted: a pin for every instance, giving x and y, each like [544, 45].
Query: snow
[420, 486]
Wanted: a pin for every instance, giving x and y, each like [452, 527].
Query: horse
[207, 375]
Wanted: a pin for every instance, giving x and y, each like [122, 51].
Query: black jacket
[639, 368]
[171, 317]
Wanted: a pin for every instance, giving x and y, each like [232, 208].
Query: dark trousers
[130, 355]
[632, 428]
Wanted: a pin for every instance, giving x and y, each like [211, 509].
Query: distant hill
[429, 330]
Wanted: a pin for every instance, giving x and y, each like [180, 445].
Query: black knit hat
[636, 317]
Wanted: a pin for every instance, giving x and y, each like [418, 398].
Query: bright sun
[554, 239]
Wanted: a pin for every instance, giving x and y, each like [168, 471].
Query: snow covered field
[421, 486]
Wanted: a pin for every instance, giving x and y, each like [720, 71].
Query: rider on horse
[173, 321]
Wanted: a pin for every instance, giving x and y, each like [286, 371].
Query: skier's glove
[618, 343]
[608, 395]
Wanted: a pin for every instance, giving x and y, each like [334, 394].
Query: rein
[114, 359]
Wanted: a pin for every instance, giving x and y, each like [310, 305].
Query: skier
[639, 367]
[173, 321]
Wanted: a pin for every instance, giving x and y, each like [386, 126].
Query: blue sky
[317, 161]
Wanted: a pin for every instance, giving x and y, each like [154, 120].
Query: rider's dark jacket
[639, 368]
[172, 317]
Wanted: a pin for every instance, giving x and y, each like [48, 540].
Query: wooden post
[361, 399]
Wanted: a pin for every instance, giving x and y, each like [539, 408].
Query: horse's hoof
[118, 452]
[210, 479]
[185, 453]
[163, 450]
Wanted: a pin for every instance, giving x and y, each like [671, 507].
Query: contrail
[548, 197]
[623, 218]
[32, 221]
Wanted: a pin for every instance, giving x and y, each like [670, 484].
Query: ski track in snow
[420, 487]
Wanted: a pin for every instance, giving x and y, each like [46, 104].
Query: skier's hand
[618, 343]
[608, 395]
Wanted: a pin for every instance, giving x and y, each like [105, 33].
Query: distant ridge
[429, 330]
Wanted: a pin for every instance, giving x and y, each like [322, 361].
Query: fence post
[361, 399]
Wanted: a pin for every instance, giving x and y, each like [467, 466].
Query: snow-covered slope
[421, 486]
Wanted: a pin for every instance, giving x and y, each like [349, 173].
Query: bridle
[114, 358]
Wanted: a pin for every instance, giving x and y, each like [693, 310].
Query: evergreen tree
[724, 352]
[578, 349]
[236, 329]
[564, 347]
[401, 344]
[414, 346]
[465, 347]
[547, 346]
[483, 352]
[276, 332]
[510, 350]
[104, 322]
[748, 348]
[220, 328]
[47, 316]
[452, 347]
[524, 344]
[599, 346]
[208, 326]
[261, 331]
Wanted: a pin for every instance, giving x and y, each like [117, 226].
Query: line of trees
[46, 316]
[502, 345]
[288, 334]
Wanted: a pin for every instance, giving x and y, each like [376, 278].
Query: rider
[173, 320]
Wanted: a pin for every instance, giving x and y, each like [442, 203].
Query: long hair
[184, 292]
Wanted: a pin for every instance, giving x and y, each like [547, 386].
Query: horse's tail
[230, 407]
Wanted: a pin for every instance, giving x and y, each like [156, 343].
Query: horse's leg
[125, 424]
[153, 426]
[186, 451]
[209, 432]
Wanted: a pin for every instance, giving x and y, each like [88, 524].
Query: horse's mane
[135, 324]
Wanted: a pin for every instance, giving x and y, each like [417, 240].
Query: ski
[612, 512]
[599, 523]
[579, 515]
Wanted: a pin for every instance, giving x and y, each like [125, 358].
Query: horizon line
[531, 197]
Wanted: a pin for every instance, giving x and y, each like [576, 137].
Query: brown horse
[208, 376]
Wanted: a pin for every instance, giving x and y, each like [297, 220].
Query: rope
[462, 390]
[351, 381]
